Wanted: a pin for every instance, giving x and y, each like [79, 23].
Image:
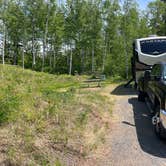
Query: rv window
[165, 72]
[153, 46]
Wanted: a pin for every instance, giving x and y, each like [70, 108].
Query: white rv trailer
[147, 52]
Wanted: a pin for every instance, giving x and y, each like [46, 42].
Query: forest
[76, 36]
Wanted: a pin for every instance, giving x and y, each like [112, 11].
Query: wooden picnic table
[98, 79]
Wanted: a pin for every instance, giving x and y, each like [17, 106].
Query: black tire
[159, 129]
[141, 96]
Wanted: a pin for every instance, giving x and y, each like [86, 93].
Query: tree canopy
[83, 36]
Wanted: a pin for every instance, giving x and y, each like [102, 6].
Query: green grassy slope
[45, 119]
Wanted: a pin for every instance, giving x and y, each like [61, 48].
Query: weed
[58, 163]
[9, 105]
[41, 159]
[28, 140]
[59, 136]
[82, 119]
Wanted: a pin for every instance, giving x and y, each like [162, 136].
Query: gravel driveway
[133, 141]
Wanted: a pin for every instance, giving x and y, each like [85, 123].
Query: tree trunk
[82, 60]
[71, 59]
[45, 36]
[54, 57]
[3, 45]
[51, 54]
[125, 41]
[43, 56]
[127, 65]
[15, 54]
[50, 60]
[92, 58]
[66, 53]
[23, 58]
[104, 56]
[33, 49]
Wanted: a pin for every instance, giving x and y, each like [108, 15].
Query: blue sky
[143, 3]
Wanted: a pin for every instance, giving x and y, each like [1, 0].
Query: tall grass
[48, 115]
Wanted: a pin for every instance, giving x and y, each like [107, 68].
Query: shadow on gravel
[148, 141]
[120, 90]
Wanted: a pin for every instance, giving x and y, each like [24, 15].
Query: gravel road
[133, 141]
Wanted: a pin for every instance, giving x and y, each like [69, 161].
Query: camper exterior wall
[146, 58]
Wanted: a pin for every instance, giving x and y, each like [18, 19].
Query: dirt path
[132, 141]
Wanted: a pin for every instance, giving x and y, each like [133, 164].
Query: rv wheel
[159, 129]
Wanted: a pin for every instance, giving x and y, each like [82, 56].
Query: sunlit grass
[46, 113]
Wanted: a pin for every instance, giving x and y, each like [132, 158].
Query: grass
[44, 117]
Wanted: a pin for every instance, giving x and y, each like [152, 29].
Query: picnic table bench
[96, 79]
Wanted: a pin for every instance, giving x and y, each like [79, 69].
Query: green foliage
[9, 107]
[157, 13]
[84, 36]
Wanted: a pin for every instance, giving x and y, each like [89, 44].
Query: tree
[129, 28]
[14, 21]
[157, 13]
[77, 35]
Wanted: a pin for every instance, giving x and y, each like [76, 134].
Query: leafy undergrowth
[48, 120]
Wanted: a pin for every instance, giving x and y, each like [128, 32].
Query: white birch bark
[45, 37]
[33, 48]
[3, 45]
[23, 58]
[71, 59]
